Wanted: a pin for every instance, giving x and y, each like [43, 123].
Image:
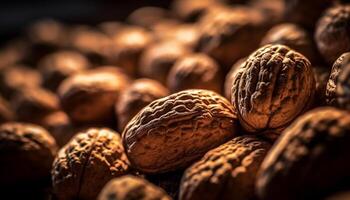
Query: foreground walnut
[90, 96]
[131, 187]
[138, 95]
[226, 172]
[333, 32]
[26, 153]
[273, 86]
[230, 77]
[87, 163]
[314, 149]
[172, 132]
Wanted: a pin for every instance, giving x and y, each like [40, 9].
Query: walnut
[192, 10]
[195, 71]
[272, 88]
[309, 159]
[89, 97]
[131, 187]
[172, 132]
[333, 32]
[321, 74]
[226, 172]
[84, 165]
[230, 77]
[138, 95]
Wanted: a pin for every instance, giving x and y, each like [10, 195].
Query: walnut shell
[26, 153]
[90, 96]
[230, 77]
[321, 77]
[310, 158]
[332, 34]
[131, 187]
[84, 165]
[172, 132]
[138, 95]
[195, 71]
[226, 172]
[58, 66]
[272, 88]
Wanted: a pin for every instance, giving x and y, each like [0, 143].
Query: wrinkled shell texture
[273, 86]
[343, 88]
[227, 172]
[340, 64]
[132, 188]
[196, 71]
[333, 33]
[172, 132]
[87, 163]
[314, 149]
[321, 77]
[137, 96]
[230, 77]
[26, 153]
[90, 96]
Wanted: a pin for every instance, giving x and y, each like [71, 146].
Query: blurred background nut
[87, 163]
[226, 172]
[138, 95]
[294, 37]
[195, 71]
[230, 77]
[271, 9]
[131, 187]
[273, 87]
[310, 159]
[172, 132]
[158, 59]
[89, 96]
[26, 152]
[110, 28]
[332, 34]
[148, 16]
[58, 66]
[6, 111]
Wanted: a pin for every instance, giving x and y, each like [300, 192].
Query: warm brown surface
[230, 77]
[172, 132]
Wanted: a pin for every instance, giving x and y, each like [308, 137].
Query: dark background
[17, 15]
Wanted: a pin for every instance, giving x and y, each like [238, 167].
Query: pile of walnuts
[206, 100]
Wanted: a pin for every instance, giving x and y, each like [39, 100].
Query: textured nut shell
[87, 163]
[172, 132]
[314, 149]
[321, 77]
[343, 88]
[273, 86]
[332, 32]
[140, 93]
[26, 153]
[195, 71]
[230, 77]
[226, 172]
[131, 187]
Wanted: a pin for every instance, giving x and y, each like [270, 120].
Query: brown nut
[128, 45]
[158, 59]
[172, 132]
[332, 34]
[6, 112]
[294, 37]
[147, 16]
[26, 153]
[226, 172]
[58, 66]
[138, 95]
[272, 88]
[192, 10]
[90, 96]
[310, 158]
[195, 71]
[321, 74]
[131, 187]
[84, 165]
[272, 9]
[339, 67]
[230, 77]
[110, 28]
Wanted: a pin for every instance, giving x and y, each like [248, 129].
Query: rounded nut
[84, 165]
[314, 149]
[332, 34]
[138, 95]
[90, 96]
[230, 77]
[272, 88]
[195, 71]
[172, 132]
[226, 172]
[58, 66]
[131, 187]
[192, 10]
[158, 59]
[26, 153]
[147, 16]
